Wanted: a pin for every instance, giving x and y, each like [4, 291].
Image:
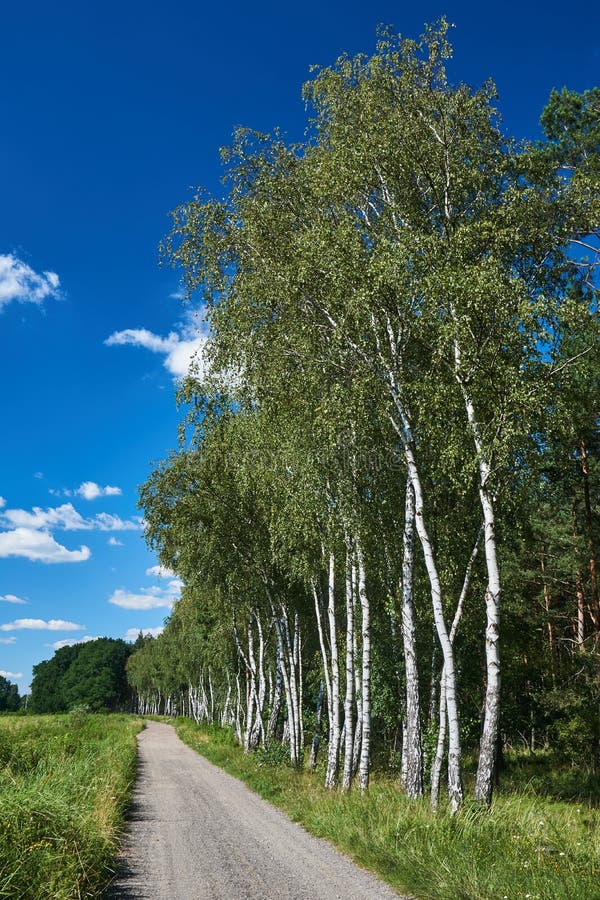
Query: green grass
[545, 774]
[527, 846]
[64, 787]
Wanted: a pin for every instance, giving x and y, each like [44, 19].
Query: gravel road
[196, 833]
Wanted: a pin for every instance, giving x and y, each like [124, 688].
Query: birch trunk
[349, 698]
[290, 644]
[314, 748]
[436, 766]
[239, 714]
[365, 750]
[212, 699]
[258, 673]
[404, 431]
[333, 755]
[455, 789]
[289, 723]
[289, 678]
[226, 714]
[299, 692]
[357, 687]
[413, 781]
[488, 747]
[326, 673]
[276, 704]
[404, 757]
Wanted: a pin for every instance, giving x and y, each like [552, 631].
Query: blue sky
[109, 114]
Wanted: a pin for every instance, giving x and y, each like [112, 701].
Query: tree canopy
[389, 472]
[87, 674]
[9, 695]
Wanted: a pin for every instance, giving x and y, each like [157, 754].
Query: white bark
[290, 679]
[411, 744]
[454, 750]
[238, 710]
[294, 720]
[488, 747]
[357, 683]
[277, 690]
[297, 660]
[259, 687]
[349, 698]
[226, 714]
[333, 756]
[324, 656]
[363, 768]
[212, 699]
[436, 767]
[289, 724]
[314, 749]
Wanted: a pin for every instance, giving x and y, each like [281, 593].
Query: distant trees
[90, 674]
[9, 695]
[402, 373]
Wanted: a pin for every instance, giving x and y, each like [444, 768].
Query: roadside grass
[65, 783]
[527, 846]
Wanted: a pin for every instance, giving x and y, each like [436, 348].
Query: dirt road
[197, 833]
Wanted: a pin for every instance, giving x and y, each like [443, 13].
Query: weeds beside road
[527, 846]
[65, 782]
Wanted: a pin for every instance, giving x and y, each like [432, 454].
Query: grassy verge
[527, 846]
[64, 786]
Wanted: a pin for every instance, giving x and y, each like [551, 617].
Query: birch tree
[408, 252]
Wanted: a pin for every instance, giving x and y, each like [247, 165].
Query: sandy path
[196, 832]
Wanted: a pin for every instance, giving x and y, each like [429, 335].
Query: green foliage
[407, 281]
[9, 696]
[63, 794]
[90, 674]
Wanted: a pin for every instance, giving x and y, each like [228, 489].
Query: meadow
[65, 782]
[534, 843]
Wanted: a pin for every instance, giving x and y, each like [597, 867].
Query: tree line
[10, 700]
[89, 674]
[383, 504]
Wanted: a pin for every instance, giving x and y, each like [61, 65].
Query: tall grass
[64, 787]
[526, 846]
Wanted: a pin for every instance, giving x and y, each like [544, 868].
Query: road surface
[196, 833]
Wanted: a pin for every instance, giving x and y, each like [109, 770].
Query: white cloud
[127, 600]
[178, 352]
[108, 522]
[148, 598]
[160, 572]
[114, 542]
[38, 546]
[132, 633]
[10, 640]
[2, 502]
[20, 283]
[41, 625]
[68, 642]
[89, 490]
[179, 348]
[66, 518]
[11, 598]
[11, 675]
